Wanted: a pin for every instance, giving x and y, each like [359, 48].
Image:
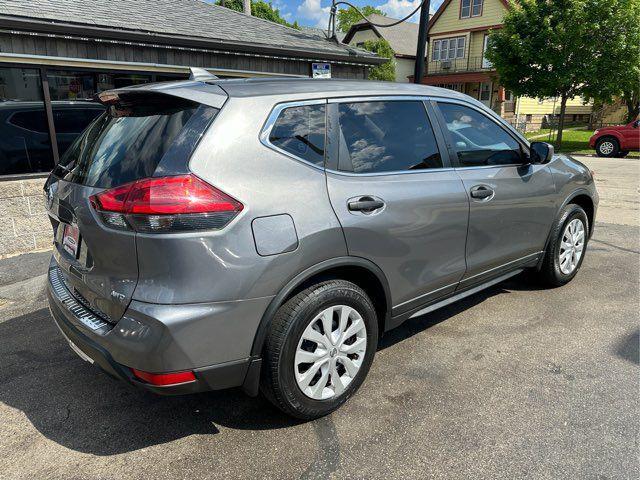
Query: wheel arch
[581, 197]
[614, 135]
[360, 271]
[586, 202]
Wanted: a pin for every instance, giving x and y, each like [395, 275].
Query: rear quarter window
[300, 131]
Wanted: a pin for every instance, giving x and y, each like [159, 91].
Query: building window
[458, 87]
[471, 8]
[485, 92]
[448, 48]
[508, 96]
[485, 63]
[24, 131]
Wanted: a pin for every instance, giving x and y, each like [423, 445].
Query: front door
[484, 93]
[511, 201]
[398, 203]
[631, 134]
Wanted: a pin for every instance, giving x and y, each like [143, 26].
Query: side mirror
[541, 152]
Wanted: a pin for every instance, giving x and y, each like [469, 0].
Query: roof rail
[201, 74]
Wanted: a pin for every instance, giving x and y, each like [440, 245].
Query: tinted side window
[478, 139]
[72, 120]
[32, 120]
[386, 136]
[300, 131]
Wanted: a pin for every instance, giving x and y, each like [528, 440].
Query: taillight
[166, 204]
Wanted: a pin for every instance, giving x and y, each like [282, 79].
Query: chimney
[247, 7]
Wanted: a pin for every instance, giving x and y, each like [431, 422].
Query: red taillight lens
[113, 200]
[183, 202]
[164, 379]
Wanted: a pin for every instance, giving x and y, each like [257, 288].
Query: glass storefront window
[108, 81]
[72, 99]
[24, 133]
[25, 145]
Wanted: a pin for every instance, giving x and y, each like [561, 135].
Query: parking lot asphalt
[514, 382]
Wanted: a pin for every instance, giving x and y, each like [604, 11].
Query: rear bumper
[153, 344]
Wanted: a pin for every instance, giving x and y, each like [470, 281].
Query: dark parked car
[25, 145]
[266, 233]
[616, 141]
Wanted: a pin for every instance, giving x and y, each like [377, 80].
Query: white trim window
[485, 62]
[448, 48]
[470, 8]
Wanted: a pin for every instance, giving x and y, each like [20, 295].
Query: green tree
[385, 71]
[259, 9]
[540, 50]
[614, 70]
[348, 16]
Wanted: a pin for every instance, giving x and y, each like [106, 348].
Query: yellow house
[458, 35]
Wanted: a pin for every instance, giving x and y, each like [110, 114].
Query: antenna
[201, 74]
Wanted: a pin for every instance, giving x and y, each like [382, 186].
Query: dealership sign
[321, 70]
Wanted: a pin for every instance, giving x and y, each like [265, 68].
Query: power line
[422, 29]
[334, 8]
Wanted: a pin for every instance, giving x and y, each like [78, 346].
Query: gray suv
[266, 233]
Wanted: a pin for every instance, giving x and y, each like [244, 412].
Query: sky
[315, 13]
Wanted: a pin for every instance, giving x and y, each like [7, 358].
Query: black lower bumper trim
[215, 377]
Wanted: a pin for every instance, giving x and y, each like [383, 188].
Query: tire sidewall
[570, 213]
[315, 304]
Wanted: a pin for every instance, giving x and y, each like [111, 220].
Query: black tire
[610, 146]
[550, 273]
[623, 153]
[278, 383]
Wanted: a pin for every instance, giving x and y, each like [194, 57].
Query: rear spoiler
[194, 90]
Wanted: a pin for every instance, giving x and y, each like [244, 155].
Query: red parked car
[616, 141]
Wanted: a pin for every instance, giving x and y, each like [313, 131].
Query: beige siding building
[458, 35]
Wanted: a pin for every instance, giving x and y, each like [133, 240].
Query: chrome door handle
[481, 192]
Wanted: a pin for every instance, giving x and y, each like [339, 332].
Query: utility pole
[246, 7]
[423, 27]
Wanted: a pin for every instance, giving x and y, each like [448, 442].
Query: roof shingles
[189, 18]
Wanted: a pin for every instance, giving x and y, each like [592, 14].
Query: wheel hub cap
[572, 246]
[330, 352]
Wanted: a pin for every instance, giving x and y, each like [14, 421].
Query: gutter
[163, 40]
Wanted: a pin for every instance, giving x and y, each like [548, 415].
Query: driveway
[513, 382]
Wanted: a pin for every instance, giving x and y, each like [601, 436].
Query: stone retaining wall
[24, 225]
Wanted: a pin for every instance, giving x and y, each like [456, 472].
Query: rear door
[129, 142]
[399, 202]
[511, 201]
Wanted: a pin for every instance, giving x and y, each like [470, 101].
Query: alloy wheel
[606, 148]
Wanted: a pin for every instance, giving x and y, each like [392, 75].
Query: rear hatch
[143, 134]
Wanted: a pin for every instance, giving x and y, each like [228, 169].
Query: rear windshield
[128, 141]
